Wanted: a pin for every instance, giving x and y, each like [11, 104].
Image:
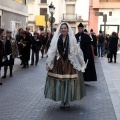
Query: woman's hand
[47, 68]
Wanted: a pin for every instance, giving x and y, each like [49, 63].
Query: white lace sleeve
[80, 58]
[51, 56]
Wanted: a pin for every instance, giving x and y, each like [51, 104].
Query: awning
[40, 20]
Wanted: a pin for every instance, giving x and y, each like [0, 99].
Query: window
[43, 1]
[70, 9]
[14, 26]
[43, 11]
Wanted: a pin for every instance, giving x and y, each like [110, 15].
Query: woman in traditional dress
[65, 62]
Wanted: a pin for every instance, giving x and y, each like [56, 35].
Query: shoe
[35, 63]
[11, 75]
[21, 63]
[27, 66]
[67, 105]
[1, 83]
[31, 64]
[114, 61]
[4, 76]
[62, 105]
[24, 67]
[110, 61]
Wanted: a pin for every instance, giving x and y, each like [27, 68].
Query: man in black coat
[84, 41]
[94, 41]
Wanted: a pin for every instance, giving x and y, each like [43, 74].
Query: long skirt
[64, 83]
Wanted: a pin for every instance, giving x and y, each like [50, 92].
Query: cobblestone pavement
[22, 98]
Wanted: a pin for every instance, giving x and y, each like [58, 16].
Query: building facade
[13, 14]
[109, 7]
[71, 11]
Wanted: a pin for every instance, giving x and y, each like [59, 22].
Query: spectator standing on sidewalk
[101, 41]
[29, 36]
[64, 82]
[11, 51]
[36, 45]
[43, 42]
[18, 39]
[113, 44]
[26, 43]
[48, 39]
[2, 52]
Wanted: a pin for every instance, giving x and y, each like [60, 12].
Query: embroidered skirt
[64, 83]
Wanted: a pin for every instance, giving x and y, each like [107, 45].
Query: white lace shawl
[75, 53]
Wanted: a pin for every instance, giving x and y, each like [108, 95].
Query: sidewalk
[112, 77]
[22, 97]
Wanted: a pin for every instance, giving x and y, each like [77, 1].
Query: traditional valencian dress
[64, 80]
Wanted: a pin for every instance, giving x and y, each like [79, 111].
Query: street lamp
[52, 11]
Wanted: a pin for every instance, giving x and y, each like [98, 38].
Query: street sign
[52, 18]
[98, 13]
[105, 18]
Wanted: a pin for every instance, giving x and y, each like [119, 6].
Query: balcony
[71, 18]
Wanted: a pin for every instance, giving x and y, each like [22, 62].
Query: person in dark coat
[113, 46]
[11, 51]
[26, 43]
[43, 42]
[2, 52]
[48, 39]
[36, 45]
[94, 41]
[29, 36]
[101, 41]
[18, 39]
[84, 41]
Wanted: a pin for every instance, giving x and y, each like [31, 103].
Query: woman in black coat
[26, 44]
[2, 53]
[113, 46]
[36, 45]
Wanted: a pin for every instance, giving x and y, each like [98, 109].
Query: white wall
[82, 9]
[111, 20]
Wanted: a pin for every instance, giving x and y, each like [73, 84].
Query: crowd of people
[70, 58]
[20, 47]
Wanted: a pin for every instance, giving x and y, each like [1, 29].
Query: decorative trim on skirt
[66, 76]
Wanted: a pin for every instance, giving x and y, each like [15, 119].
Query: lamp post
[52, 11]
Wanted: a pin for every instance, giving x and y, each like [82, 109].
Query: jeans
[100, 49]
[36, 54]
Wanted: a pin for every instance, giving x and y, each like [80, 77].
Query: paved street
[22, 97]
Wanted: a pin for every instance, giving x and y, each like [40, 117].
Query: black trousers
[35, 53]
[6, 68]
[113, 54]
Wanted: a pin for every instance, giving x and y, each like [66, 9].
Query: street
[22, 97]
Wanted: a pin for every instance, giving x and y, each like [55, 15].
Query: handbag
[108, 54]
